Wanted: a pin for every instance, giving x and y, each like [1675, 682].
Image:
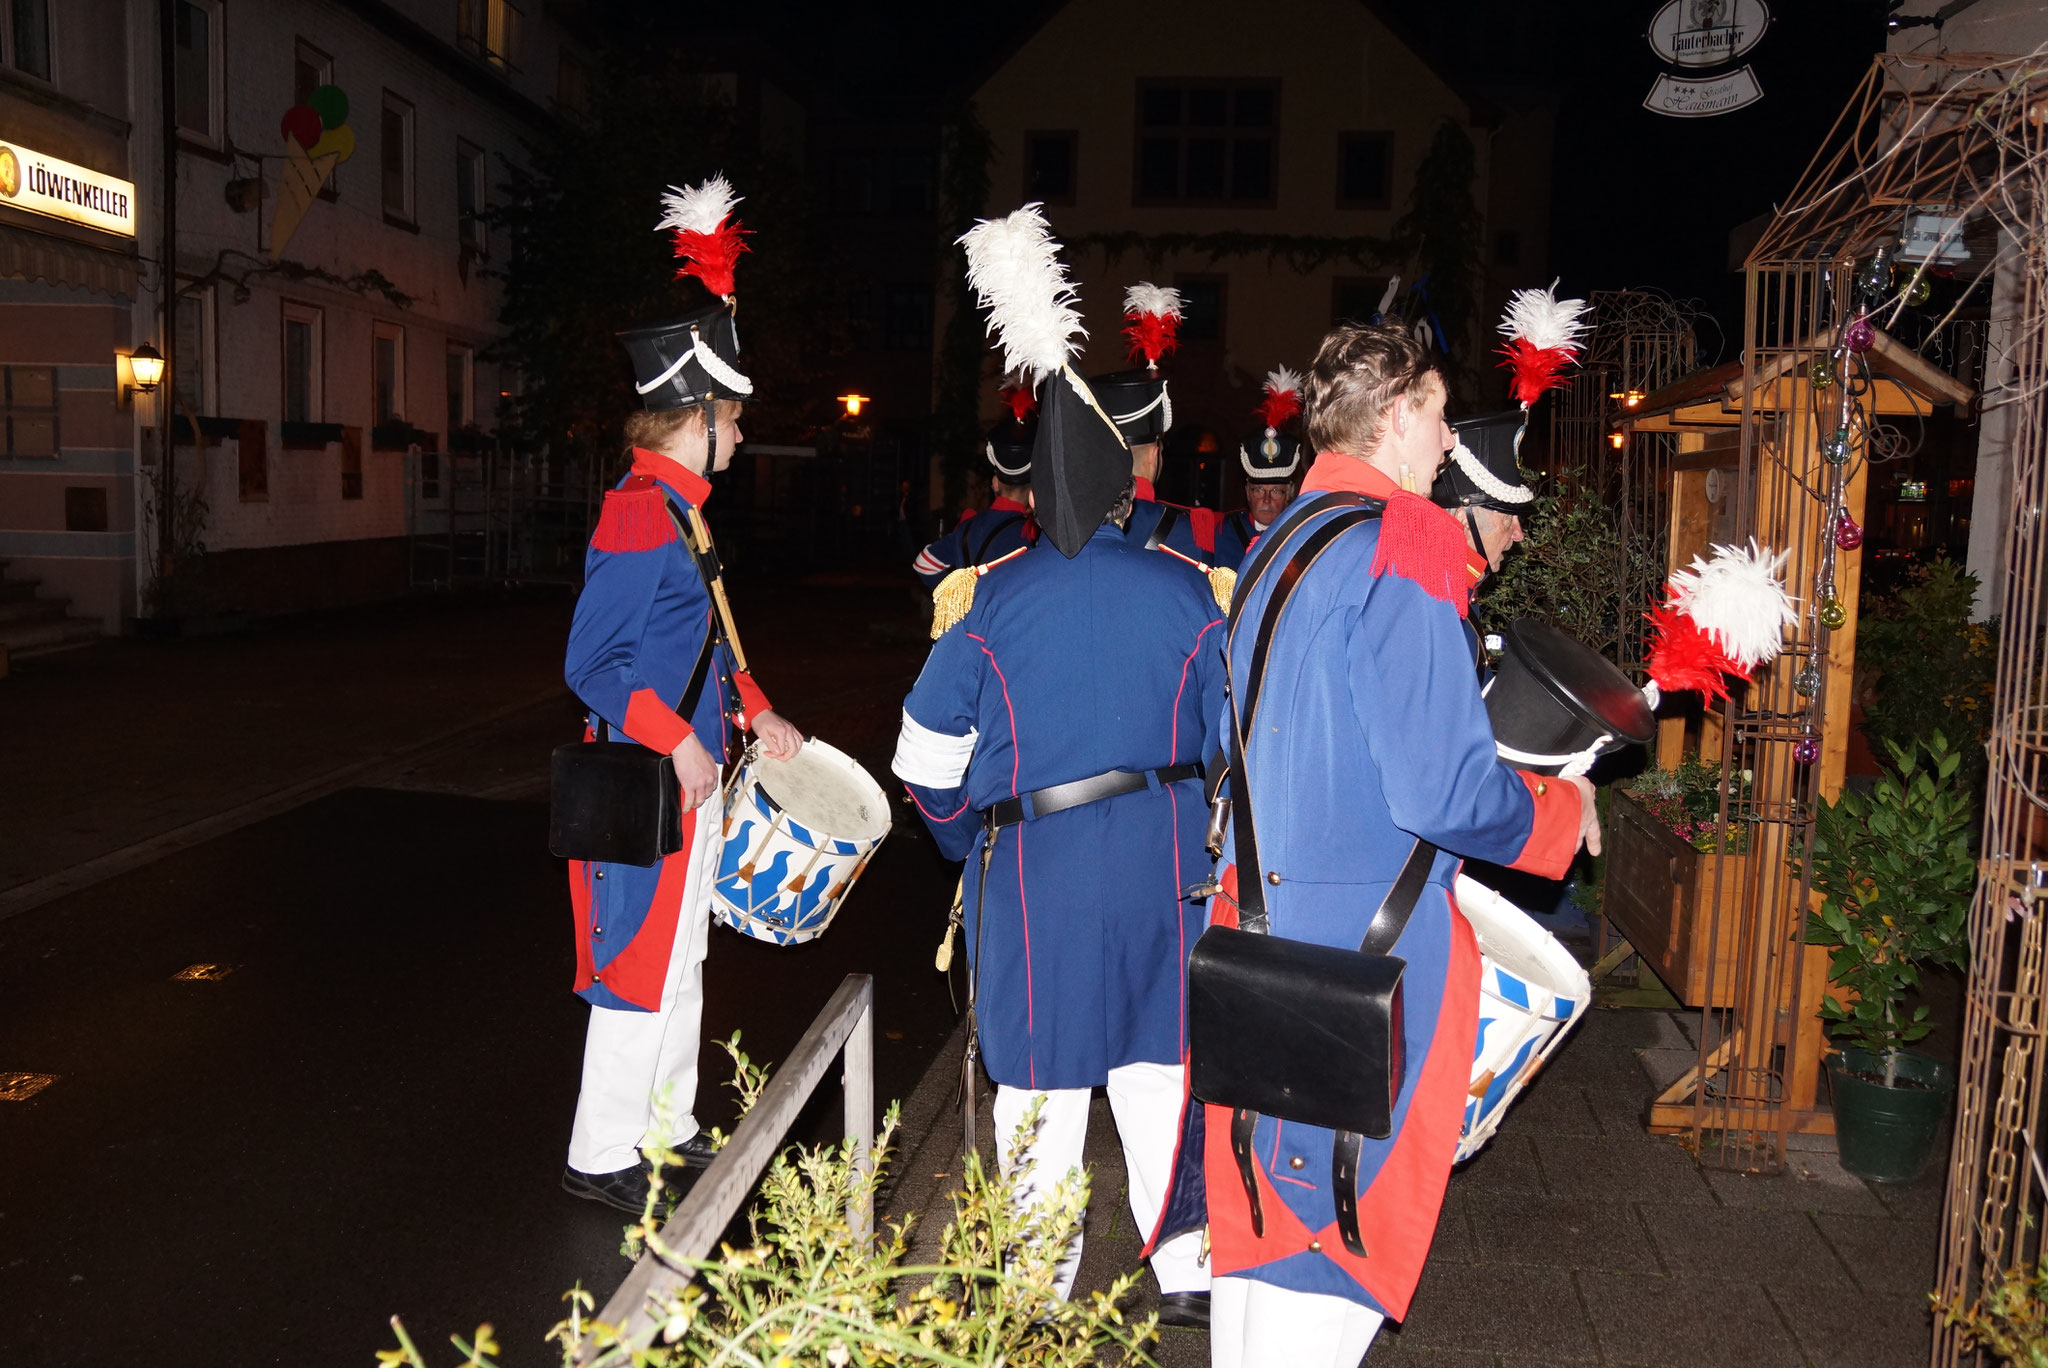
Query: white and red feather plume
[1722, 616]
[1283, 397]
[1544, 337]
[708, 240]
[1013, 266]
[1151, 321]
[1021, 400]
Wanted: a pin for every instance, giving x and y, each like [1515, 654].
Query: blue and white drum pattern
[1531, 992]
[797, 833]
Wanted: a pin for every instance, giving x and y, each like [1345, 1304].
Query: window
[85, 508]
[252, 463]
[31, 35]
[395, 157]
[302, 370]
[489, 29]
[1355, 299]
[469, 198]
[907, 318]
[197, 28]
[1049, 165]
[30, 394]
[572, 84]
[1364, 170]
[387, 374]
[461, 388]
[190, 356]
[311, 69]
[1201, 307]
[1206, 142]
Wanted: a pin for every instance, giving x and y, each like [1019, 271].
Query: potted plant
[1673, 883]
[1894, 872]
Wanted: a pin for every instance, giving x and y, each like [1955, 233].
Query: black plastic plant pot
[1886, 1134]
[1554, 696]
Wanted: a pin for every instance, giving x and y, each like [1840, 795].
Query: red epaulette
[1204, 522]
[1421, 542]
[635, 517]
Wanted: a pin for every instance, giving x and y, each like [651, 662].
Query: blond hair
[655, 428]
[1359, 370]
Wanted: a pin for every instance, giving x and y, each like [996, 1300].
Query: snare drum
[797, 832]
[1531, 992]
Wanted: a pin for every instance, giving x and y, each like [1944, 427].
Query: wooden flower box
[1660, 893]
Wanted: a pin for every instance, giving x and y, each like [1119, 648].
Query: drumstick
[732, 636]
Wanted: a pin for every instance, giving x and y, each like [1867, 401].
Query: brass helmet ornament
[1274, 454]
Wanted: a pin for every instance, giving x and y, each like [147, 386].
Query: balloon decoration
[317, 139]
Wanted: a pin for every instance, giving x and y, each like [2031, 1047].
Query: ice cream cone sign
[317, 139]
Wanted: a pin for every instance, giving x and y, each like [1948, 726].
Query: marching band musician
[1054, 740]
[1006, 524]
[1138, 401]
[1481, 484]
[1371, 739]
[651, 659]
[1272, 468]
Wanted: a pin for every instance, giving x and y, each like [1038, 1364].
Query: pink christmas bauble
[1848, 536]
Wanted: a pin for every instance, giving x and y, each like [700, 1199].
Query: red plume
[1152, 335]
[1276, 408]
[1684, 657]
[1535, 368]
[712, 256]
[1021, 400]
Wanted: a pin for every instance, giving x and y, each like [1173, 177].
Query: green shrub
[2010, 1319]
[1927, 667]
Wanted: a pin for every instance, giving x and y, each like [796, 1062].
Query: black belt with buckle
[1046, 801]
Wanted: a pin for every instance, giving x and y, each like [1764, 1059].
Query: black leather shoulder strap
[1169, 517]
[996, 530]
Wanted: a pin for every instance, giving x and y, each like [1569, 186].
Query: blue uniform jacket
[977, 539]
[1370, 733]
[1193, 533]
[640, 625]
[1062, 670]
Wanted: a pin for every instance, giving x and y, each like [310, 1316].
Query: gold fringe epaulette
[1222, 583]
[955, 594]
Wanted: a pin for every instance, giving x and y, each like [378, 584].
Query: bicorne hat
[695, 359]
[1481, 469]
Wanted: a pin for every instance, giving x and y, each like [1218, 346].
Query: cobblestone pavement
[1575, 1238]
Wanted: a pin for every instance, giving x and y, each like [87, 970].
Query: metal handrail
[847, 1021]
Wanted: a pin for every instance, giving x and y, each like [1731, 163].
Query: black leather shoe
[696, 1151]
[1184, 1310]
[625, 1189]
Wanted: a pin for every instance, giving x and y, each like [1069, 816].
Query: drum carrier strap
[975, 556]
[708, 568]
[1388, 921]
[1169, 518]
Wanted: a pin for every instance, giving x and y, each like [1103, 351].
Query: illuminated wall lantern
[853, 403]
[1617, 440]
[139, 371]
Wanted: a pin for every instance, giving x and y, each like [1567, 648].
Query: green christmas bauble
[1920, 291]
[1836, 448]
[1821, 373]
[1807, 682]
[1833, 615]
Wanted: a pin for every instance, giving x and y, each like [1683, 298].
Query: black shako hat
[1554, 700]
[1008, 447]
[689, 360]
[1270, 456]
[1136, 402]
[1482, 470]
[1079, 462]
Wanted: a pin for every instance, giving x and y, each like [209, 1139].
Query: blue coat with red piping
[1370, 734]
[1064, 670]
[977, 539]
[1193, 533]
[640, 625]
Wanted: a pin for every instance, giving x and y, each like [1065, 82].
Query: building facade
[1140, 129]
[333, 288]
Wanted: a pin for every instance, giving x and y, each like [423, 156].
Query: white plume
[699, 208]
[1543, 320]
[1147, 298]
[1737, 599]
[1014, 267]
[1282, 380]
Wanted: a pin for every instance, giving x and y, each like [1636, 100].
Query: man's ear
[1031, 498]
[1398, 416]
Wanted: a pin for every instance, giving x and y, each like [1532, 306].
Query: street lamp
[853, 403]
[146, 364]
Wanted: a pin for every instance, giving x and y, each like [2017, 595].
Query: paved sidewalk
[1574, 1238]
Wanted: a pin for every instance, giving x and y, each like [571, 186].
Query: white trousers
[1145, 1100]
[631, 1058]
[1257, 1325]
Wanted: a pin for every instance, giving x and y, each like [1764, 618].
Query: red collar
[1334, 470]
[999, 504]
[1141, 488]
[694, 488]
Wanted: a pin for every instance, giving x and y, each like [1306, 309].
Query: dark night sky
[1638, 199]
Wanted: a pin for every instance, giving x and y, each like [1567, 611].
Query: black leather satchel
[1307, 1033]
[617, 802]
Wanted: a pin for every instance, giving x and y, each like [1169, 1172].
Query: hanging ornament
[1859, 334]
[1848, 536]
[1919, 291]
[1822, 373]
[1836, 448]
[1807, 682]
[1833, 615]
[1806, 749]
[1875, 278]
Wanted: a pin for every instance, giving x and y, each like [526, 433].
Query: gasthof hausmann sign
[1707, 33]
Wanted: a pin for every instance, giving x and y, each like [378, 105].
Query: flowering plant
[1688, 801]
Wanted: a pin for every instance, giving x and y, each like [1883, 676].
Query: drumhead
[1511, 938]
[822, 788]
